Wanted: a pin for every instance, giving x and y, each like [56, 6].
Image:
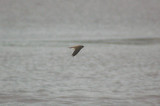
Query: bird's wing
[76, 51]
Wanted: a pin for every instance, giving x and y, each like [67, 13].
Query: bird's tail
[72, 47]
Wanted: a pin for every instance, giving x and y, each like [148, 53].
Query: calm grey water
[119, 65]
[45, 73]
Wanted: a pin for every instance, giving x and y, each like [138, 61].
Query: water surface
[105, 72]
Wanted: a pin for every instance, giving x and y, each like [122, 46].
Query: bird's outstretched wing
[76, 51]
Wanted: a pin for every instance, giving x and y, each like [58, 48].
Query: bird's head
[82, 46]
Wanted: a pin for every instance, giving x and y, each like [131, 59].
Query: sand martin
[76, 49]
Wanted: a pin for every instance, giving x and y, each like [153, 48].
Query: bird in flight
[76, 49]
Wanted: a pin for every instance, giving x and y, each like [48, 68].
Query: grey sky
[34, 15]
